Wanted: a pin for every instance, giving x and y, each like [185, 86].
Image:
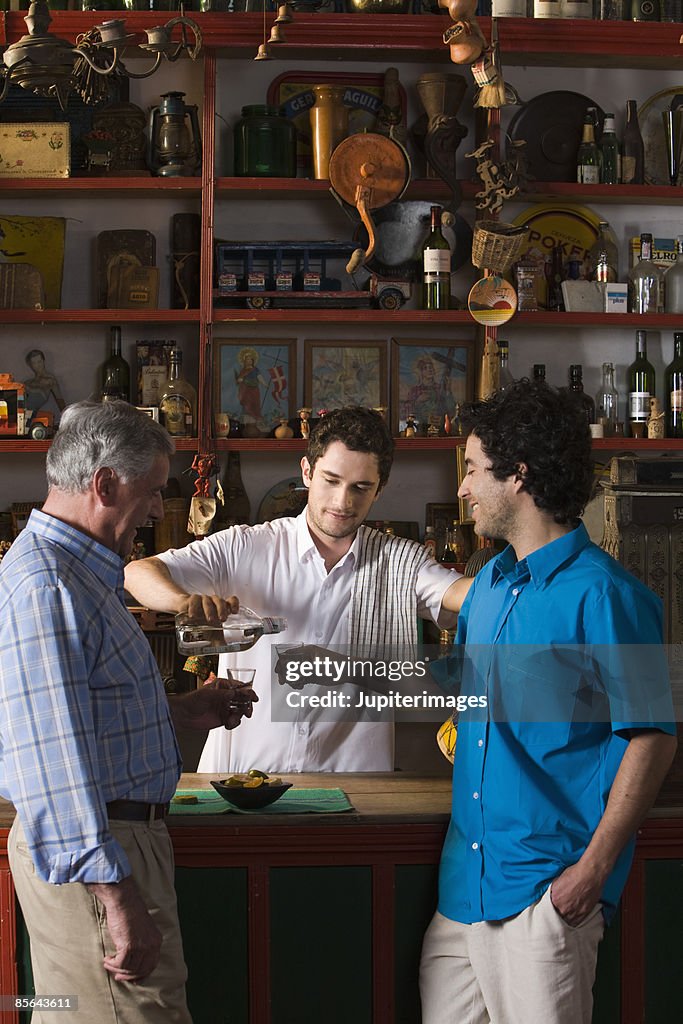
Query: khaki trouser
[69, 936]
[532, 968]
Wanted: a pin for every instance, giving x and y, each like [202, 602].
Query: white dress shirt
[275, 569]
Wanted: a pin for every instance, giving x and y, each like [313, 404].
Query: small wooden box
[37, 149]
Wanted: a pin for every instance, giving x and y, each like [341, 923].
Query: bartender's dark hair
[96, 434]
[360, 429]
[533, 424]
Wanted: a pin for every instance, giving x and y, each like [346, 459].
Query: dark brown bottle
[236, 507]
[632, 149]
[576, 388]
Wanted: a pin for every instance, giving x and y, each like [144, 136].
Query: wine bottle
[576, 388]
[238, 632]
[607, 402]
[609, 150]
[115, 371]
[436, 263]
[505, 378]
[632, 148]
[645, 281]
[588, 156]
[673, 389]
[641, 386]
[236, 506]
[539, 372]
[178, 404]
[673, 282]
[555, 296]
[603, 256]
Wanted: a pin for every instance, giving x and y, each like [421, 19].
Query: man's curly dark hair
[360, 429]
[532, 423]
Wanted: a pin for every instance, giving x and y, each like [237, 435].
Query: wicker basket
[495, 250]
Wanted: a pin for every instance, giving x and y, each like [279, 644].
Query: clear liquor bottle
[632, 148]
[238, 632]
[115, 371]
[673, 282]
[588, 156]
[576, 388]
[673, 389]
[436, 266]
[178, 404]
[609, 151]
[603, 256]
[607, 402]
[645, 281]
[641, 386]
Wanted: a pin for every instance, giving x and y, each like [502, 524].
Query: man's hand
[211, 607]
[574, 894]
[219, 702]
[136, 939]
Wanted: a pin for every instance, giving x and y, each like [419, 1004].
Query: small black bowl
[250, 799]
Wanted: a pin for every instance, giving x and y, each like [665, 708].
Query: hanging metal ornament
[284, 15]
[277, 34]
[263, 53]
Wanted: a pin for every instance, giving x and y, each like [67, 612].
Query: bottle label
[639, 405]
[677, 401]
[589, 174]
[437, 261]
[177, 413]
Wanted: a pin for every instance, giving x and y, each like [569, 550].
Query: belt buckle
[152, 816]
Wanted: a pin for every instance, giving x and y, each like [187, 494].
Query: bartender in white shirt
[313, 571]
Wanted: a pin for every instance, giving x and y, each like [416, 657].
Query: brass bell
[283, 15]
[277, 34]
[263, 53]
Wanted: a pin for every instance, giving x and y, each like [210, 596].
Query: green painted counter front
[319, 918]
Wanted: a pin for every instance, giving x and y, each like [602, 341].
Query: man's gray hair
[96, 434]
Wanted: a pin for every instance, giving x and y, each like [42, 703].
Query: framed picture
[429, 379]
[339, 373]
[255, 382]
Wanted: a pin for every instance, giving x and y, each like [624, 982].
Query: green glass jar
[265, 143]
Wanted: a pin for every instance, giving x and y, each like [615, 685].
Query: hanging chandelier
[50, 66]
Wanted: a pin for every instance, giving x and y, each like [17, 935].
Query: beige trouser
[69, 936]
[532, 968]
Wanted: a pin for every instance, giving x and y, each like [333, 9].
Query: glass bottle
[436, 263]
[610, 10]
[178, 404]
[645, 281]
[607, 402]
[264, 143]
[555, 297]
[673, 389]
[455, 547]
[115, 371]
[429, 541]
[539, 372]
[632, 148]
[603, 256]
[673, 282]
[238, 632]
[505, 378]
[236, 507]
[609, 150]
[641, 385]
[588, 156]
[576, 388]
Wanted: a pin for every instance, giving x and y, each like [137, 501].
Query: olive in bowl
[249, 792]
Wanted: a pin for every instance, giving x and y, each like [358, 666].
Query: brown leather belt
[136, 810]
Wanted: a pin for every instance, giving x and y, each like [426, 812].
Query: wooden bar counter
[313, 918]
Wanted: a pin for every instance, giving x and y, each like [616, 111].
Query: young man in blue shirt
[553, 774]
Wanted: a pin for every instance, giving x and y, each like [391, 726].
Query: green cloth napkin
[294, 801]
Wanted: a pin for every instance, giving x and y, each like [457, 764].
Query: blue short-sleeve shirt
[566, 647]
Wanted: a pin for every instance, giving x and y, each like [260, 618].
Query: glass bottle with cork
[115, 371]
[641, 386]
[673, 389]
[588, 156]
[178, 404]
[610, 162]
[436, 266]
